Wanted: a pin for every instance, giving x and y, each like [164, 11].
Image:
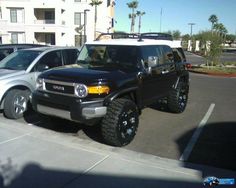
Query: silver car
[19, 71]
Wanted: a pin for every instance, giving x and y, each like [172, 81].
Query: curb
[214, 74]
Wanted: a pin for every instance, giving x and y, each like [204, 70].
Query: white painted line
[34, 123]
[193, 140]
[97, 163]
[16, 138]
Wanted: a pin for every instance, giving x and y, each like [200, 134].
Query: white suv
[19, 71]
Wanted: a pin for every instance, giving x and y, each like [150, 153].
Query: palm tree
[219, 27]
[132, 5]
[220, 30]
[95, 3]
[139, 14]
[213, 19]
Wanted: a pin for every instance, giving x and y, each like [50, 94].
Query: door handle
[164, 71]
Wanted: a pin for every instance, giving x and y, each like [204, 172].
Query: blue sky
[176, 14]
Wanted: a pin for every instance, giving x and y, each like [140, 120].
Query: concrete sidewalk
[35, 157]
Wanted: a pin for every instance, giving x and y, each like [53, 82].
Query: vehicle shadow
[215, 147]
[64, 126]
[34, 175]
[160, 106]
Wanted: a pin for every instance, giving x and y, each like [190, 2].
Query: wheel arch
[20, 87]
[130, 93]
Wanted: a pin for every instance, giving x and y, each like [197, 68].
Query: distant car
[19, 71]
[7, 49]
[211, 181]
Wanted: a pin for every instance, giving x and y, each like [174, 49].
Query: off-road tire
[15, 103]
[178, 97]
[120, 124]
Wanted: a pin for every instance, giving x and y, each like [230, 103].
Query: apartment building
[53, 22]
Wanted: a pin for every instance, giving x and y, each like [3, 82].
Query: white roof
[136, 42]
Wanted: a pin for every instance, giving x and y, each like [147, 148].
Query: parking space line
[34, 123]
[16, 138]
[193, 140]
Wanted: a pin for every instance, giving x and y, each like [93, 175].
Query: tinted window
[100, 55]
[5, 52]
[148, 51]
[155, 51]
[51, 60]
[168, 54]
[19, 60]
[70, 56]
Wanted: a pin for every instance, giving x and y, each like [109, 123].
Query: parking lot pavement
[36, 157]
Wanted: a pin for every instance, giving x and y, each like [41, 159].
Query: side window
[70, 56]
[168, 54]
[148, 51]
[5, 52]
[49, 60]
[124, 55]
[177, 56]
[159, 50]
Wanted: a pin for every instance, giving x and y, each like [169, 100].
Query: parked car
[19, 71]
[7, 49]
[114, 79]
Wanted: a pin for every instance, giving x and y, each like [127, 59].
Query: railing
[44, 21]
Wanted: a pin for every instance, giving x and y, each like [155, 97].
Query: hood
[77, 74]
[6, 73]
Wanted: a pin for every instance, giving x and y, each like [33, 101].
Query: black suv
[113, 80]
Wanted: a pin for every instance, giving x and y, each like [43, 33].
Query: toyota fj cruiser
[113, 80]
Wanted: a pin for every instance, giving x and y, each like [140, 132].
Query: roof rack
[156, 36]
[140, 37]
[117, 35]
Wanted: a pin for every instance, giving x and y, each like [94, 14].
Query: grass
[215, 69]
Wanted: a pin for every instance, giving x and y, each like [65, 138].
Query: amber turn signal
[98, 90]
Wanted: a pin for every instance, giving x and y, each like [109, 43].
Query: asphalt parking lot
[210, 112]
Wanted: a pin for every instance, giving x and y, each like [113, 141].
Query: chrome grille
[57, 87]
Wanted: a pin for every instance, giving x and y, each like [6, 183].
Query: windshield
[109, 55]
[19, 60]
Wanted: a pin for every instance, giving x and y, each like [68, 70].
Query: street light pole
[191, 26]
[85, 22]
[191, 33]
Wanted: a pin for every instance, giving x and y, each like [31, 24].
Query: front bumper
[70, 108]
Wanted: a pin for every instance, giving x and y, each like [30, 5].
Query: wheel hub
[20, 104]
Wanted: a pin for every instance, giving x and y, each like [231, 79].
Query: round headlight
[81, 90]
[39, 84]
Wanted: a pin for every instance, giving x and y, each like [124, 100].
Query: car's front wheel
[15, 103]
[120, 124]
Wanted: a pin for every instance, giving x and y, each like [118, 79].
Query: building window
[80, 1]
[14, 38]
[77, 20]
[108, 3]
[17, 37]
[13, 15]
[0, 13]
[17, 15]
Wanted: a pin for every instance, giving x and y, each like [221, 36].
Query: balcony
[44, 21]
[44, 16]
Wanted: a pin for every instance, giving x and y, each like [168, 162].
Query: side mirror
[42, 67]
[152, 61]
